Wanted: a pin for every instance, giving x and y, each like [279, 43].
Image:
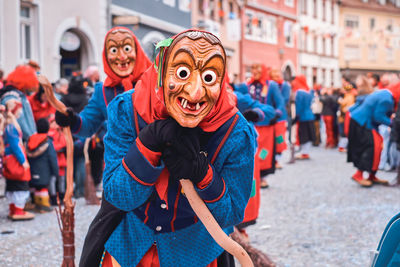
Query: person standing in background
[304, 116]
[281, 125]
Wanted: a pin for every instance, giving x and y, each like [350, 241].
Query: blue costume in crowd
[376, 109]
[303, 102]
[365, 143]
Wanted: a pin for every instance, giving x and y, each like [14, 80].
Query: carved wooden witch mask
[194, 69]
[120, 52]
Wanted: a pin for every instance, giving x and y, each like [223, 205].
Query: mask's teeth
[184, 103]
[197, 106]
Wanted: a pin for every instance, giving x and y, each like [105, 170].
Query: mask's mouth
[123, 66]
[191, 108]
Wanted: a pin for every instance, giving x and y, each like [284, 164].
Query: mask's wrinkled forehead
[202, 46]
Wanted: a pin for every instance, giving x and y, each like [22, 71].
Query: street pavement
[313, 214]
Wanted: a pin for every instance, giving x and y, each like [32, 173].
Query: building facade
[222, 18]
[268, 35]
[370, 37]
[156, 19]
[318, 42]
[59, 36]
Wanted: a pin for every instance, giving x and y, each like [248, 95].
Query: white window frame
[352, 53]
[353, 18]
[184, 5]
[372, 52]
[389, 54]
[265, 31]
[170, 3]
[32, 23]
[289, 3]
[288, 33]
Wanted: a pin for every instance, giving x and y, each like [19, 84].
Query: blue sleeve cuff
[260, 113]
[215, 190]
[77, 127]
[140, 168]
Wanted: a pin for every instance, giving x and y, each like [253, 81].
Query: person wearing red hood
[365, 143]
[19, 82]
[124, 62]
[41, 108]
[304, 116]
[259, 89]
[281, 125]
[16, 167]
[178, 123]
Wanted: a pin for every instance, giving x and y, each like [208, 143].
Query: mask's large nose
[121, 55]
[195, 88]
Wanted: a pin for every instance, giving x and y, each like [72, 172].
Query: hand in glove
[184, 158]
[278, 114]
[251, 115]
[67, 120]
[157, 134]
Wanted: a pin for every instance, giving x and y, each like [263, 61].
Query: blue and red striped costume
[133, 184]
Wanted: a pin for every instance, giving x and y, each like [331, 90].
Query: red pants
[331, 134]
[150, 259]
[253, 206]
[378, 146]
[280, 137]
[265, 151]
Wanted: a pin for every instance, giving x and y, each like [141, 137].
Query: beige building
[222, 18]
[62, 36]
[369, 37]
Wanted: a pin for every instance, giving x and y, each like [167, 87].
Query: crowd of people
[129, 131]
[33, 148]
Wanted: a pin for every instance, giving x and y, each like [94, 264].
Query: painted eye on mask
[209, 77]
[113, 50]
[127, 48]
[183, 73]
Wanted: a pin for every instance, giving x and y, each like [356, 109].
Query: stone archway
[149, 41]
[288, 70]
[88, 53]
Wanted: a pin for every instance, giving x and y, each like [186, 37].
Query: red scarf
[141, 64]
[300, 82]
[263, 78]
[149, 103]
[395, 90]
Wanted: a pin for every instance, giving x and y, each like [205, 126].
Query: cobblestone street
[312, 215]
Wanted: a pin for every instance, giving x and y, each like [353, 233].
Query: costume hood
[141, 64]
[263, 78]
[395, 90]
[300, 82]
[149, 97]
[23, 78]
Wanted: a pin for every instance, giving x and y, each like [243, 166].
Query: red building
[268, 35]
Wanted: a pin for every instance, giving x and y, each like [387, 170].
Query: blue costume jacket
[359, 100]
[303, 102]
[245, 102]
[11, 143]
[375, 110]
[129, 185]
[273, 98]
[285, 89]
[26, 120]
[95, 113]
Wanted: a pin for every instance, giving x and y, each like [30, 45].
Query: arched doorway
[288, 70]
[76, 52]
[287, 73]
